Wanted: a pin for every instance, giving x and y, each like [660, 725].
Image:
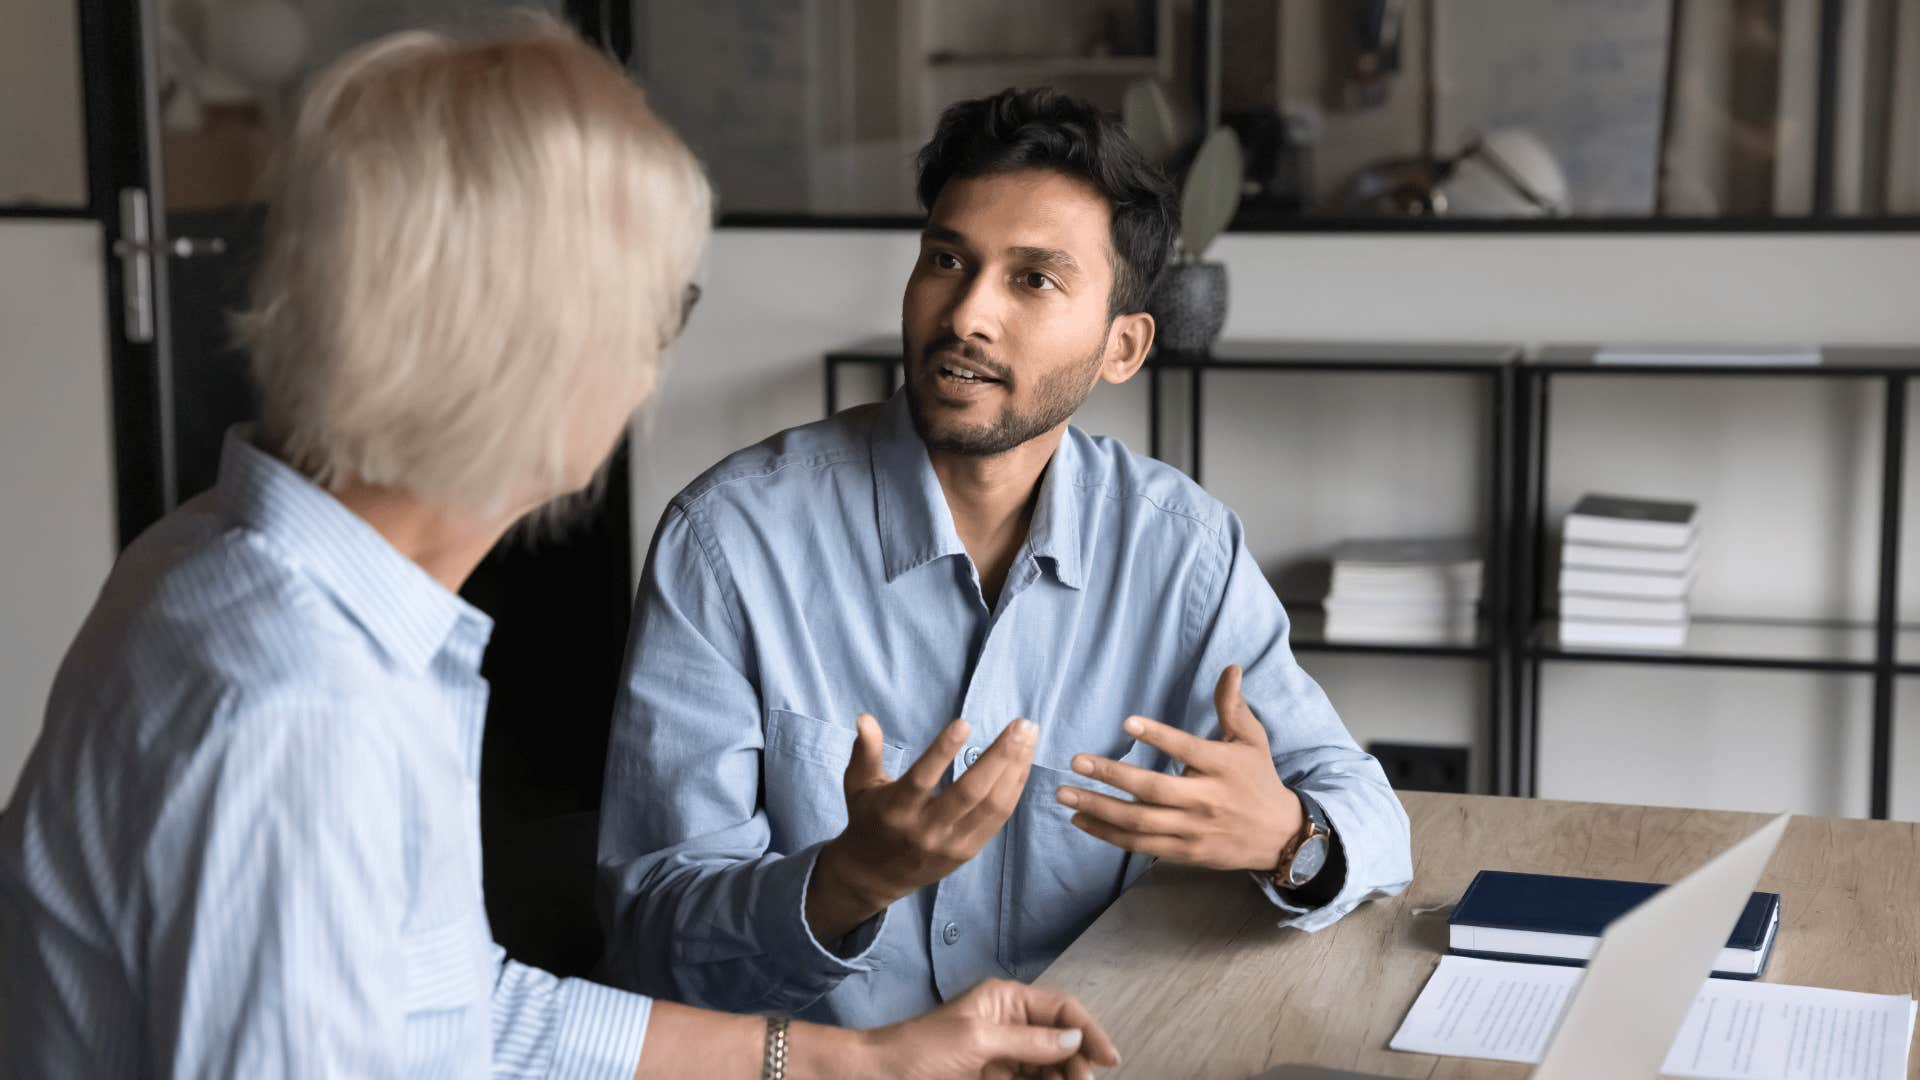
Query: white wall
[1785, 472]
[56, 470]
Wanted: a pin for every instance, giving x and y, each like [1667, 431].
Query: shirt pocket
[1059, 879]
[804, 769]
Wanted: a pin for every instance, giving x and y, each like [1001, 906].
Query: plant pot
[1189, 306]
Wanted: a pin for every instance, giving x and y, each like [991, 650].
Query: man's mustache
[975, 356]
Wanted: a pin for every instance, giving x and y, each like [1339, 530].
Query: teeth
[958, 374]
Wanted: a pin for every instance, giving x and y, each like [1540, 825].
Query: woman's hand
[998, 1029]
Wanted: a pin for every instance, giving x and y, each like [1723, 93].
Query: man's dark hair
[1046, 129]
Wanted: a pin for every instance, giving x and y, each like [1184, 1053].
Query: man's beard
[1058, 396]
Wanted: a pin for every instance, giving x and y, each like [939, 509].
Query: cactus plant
[1210, 192]
[1189, 301]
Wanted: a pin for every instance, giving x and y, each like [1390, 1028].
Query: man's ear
[1129, 339]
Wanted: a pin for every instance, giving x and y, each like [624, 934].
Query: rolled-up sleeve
[1240, 620]
[564, 1029]
[695, 905]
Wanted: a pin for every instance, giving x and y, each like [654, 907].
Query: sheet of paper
[1764, 1031]
[1487, 1009]
[1734, 1030]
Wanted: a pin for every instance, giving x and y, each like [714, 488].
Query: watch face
[1308, 861]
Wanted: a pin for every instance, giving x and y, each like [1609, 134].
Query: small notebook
[1545, 918]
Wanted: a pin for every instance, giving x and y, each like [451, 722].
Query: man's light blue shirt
[818, 575]
[247, 843]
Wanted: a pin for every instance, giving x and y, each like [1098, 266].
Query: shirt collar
[401, 607]
[916, 525]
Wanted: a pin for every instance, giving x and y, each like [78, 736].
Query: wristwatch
[1303, 859]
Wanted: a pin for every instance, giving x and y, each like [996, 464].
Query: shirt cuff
[1316, 916]
[813, 969]
[602, 1031]
[856, 949]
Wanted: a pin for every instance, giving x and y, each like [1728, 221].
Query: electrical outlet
[1414, 767]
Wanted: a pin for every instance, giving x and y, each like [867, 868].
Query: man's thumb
[867, 766]
[1237, 722]
[1031, 1045]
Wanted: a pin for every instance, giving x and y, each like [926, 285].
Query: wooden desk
[1193, 978]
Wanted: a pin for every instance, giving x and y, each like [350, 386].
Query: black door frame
[115, 66]
[119, 156]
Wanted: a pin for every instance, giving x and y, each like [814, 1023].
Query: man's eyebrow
[1060, 262]
[1046, 258]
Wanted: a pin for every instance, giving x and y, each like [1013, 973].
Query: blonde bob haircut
[476, 251]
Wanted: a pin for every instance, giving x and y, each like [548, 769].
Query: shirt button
[950, 933]
[972, 755]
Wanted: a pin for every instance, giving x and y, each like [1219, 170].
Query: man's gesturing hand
[1228, 810]
[903, 835]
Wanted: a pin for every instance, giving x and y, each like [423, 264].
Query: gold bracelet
[774, 1065]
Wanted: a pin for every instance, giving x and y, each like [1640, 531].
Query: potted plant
[1189, 304]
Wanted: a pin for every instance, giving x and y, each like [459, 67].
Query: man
[1119, 663]
[248, 843]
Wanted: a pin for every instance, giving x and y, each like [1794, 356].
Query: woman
[247, 843]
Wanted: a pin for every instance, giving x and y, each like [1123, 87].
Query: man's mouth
[961, 371]
[964, 374]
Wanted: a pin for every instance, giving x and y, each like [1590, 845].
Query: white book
[1347, 633]
[1613, 557]
[1615, 519]
[1628, 609]
[1629, 634]
[1623, 583]
[1399, 609]
[1430, 595]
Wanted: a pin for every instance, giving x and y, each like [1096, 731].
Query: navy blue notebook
[1544, 918]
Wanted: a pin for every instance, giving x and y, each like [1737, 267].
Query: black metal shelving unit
[1869, 649]
[1493, 364]
[1519, 630]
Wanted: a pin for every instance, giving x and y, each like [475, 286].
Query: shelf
[873, 350]
[1741, 643]
[1836, 360]
[1057, 64]
[1906, 650]
[1267, 355]
[1309, 634]
[1251, 354]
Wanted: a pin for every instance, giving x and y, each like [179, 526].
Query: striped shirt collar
[407, 613]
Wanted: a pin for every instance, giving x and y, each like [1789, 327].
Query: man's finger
[1144, 784]
[1140, 817]
[1160, 847]
[1198, 753]
[1013, 745]
[1237, 722]
[867, 765]
[1061, 1009]
[1029, 1044]
[987, 792]
[925, 773]
[997, 805]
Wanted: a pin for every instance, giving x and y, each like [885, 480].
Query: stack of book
[1422, 592]
[1626, 569]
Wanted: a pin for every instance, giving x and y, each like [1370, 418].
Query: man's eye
[946, 260]
[1034, 279]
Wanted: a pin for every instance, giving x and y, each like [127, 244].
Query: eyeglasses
[691, 297]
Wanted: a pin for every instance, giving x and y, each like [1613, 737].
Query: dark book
[1613, 519]
[1546, 918]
